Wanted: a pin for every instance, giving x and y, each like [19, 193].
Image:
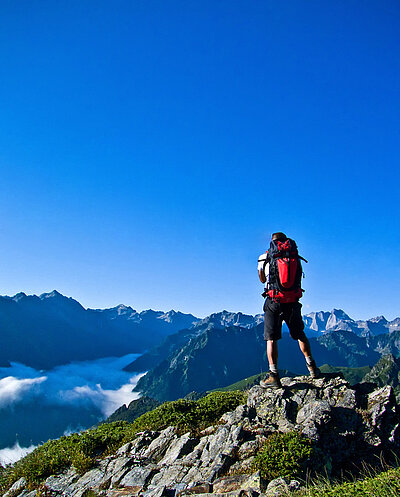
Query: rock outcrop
[347, 425]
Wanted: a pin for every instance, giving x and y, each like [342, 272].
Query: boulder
[281, 486]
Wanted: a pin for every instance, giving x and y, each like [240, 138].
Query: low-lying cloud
[101, 383]
[14, 389]
[64, 399]
[12, 454]
[107, 400]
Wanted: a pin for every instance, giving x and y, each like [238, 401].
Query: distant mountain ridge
[318, 324]
[338, 320]
[217, 357]
[51, 329]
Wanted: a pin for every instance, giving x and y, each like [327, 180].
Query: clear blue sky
[149, 148]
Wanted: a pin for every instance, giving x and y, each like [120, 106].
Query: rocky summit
[346, 425]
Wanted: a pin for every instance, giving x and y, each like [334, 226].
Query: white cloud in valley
[101, 383]
[14, 389]
[106, 400]
[10, 455]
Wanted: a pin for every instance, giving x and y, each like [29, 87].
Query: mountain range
[212, 355]
[338, 320]
[51, 329]
[218, 356]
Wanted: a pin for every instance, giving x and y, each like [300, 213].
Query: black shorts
[275, 313]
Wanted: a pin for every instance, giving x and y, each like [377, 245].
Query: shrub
[284, 454]
[189, 415]
[82, 463]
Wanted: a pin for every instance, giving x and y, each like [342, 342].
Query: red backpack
[285, 271]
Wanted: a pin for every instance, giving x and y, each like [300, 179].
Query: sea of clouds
[99, 386]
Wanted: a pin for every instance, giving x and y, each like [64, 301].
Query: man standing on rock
[280, 269]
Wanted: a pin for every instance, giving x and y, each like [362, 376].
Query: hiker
[280, 269]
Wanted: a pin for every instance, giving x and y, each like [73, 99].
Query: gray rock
[193, 477]
[218, 467]
[197, 488]
[245, 466]
[179, 448]
[90, 480]
[116, 470]
[124, 450]
[16, 488]
[239, 414]
[138, 476]
[345, 397]
[236, 435]
[160, 491]
[215, 444]
[281, 486]
[272, 405]
[395, 435]
[59, 483]
[141, 442]
[124, 492]
[380, 403]
[169, 476]
[158, 447]
[248, 449]
[312, 416]
[255, 482]
[277, 487]
[229, 483]
[194, 457]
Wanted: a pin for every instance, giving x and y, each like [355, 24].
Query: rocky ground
[347, 424]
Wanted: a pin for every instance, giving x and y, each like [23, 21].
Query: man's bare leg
[304, 345]
[273, 379]
[272, 353]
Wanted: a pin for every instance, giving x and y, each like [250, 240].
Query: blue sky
[148, 149]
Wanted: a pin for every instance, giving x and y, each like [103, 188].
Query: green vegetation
[81, 449]
[352, 375]
[189, 415]
[385, 484]
[78, 450]
[284, 454]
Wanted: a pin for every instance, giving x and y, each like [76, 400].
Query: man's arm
[262, 261]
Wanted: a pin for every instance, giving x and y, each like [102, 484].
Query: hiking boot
[271, 381]
[314, 371]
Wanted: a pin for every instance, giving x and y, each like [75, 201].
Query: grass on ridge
[352, 375]
[385, 484]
